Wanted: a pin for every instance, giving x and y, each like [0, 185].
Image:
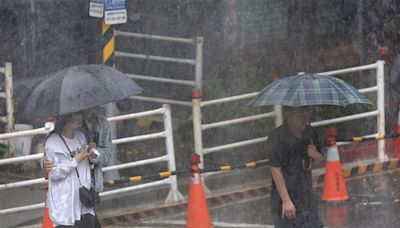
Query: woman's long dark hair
[60, 122]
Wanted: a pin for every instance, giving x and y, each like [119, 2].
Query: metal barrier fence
[199, 127]
[379, 88]
[173, 196]
[197, 63]
[166, 174]
[8, 95]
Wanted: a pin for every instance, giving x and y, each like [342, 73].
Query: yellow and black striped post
[108, 44]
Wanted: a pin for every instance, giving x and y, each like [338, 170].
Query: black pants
[87, 221]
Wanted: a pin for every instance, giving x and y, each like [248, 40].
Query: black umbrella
[77, 88]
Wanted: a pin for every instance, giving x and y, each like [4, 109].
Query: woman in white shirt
[64, 148]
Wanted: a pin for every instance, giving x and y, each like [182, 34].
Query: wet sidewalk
[241, 197]
[374, 202]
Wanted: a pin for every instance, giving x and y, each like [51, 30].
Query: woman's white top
[63, 195]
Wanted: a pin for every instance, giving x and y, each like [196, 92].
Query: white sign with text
[96, 8]
[115, 12]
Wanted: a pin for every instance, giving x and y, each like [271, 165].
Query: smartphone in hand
[85, 148]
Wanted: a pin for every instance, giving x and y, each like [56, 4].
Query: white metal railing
[197, 62]
[48, 127]
[8, 95]
[198, 126]
[173, 196]
[380, 102]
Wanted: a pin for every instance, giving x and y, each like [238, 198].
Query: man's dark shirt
[287, 151]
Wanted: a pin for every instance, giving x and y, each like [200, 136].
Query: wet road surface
[374, 202]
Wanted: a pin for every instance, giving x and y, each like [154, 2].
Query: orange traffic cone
[398, 131]
[197, 211]
[47, 223]
[334, 185]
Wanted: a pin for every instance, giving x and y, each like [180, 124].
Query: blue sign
[114, 4]
[115, 12]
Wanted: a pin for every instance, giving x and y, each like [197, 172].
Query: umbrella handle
[305, 166]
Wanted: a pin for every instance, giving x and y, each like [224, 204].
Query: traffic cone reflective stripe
[334, 184]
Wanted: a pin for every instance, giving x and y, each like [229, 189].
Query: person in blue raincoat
[97, 132]
[293, 203]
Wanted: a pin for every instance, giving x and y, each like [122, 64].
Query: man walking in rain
[293, 148]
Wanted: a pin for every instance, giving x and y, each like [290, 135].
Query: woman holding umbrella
[65, 147]
[97, 133]
[71, 90]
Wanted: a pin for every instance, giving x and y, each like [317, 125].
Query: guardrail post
[381, 107]
[9, 96]
[277, 108]
[174, 195]
[8, 83]
[197, 132]
[199, 63]
[278, 117]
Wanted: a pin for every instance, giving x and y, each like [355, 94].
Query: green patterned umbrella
[309, 89]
